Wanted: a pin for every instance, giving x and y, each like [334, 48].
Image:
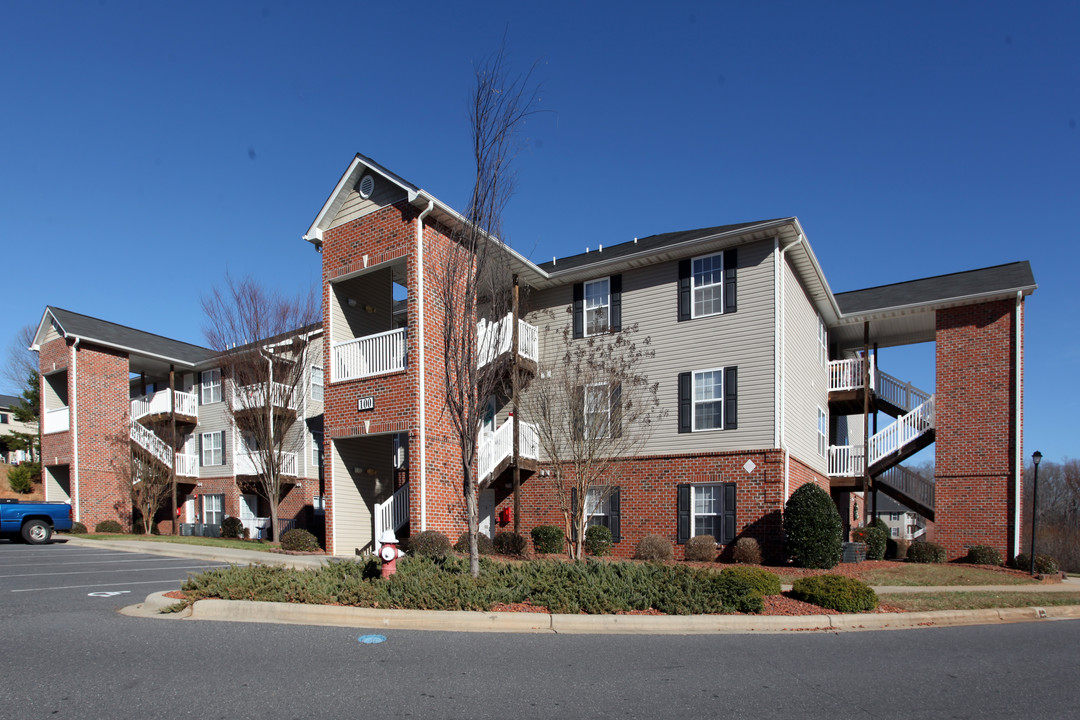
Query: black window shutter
[731, 266]
[729, 514]
[731, 394]
[616, 410]
[615, 288]
[685, 403]
[684, 290]
[222, 447]
[201, 464]
[579, 303]
[577, 414]
[573, 515]
[615, 515]
[684, 512]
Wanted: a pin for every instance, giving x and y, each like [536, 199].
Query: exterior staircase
[151, 410]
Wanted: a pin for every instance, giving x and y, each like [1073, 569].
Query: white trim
[694, 487]
[694, 288]
[204, 386]
[822, 432]
[694, 400]
[604, 407]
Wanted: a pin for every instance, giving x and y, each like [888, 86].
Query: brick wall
[976, 439]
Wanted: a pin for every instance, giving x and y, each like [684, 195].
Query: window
[707, 399]
[316, 449]
[894, 516]
[823, 343]
[895, 532]
[318, 504]
[822, 432]
[707, 275]
[213, 509]
[597, 411]
[707, 285]
[602, 507]
[211, 386]
[597, 306]
[213, 448]
[707, 509]
[316, 383]
[3, 419]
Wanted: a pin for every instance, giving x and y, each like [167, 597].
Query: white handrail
[392, 514]
[151, 443]
[370, 355]
[905, 429]
[187, 465]
[157, 403]
[499, 446]
[845, 460]
[912, 484]
[253, 397]
[493, 338]
[848, 374]
[246, 463]
[528, 341]
[903, 395]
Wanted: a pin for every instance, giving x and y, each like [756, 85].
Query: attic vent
[366, 186]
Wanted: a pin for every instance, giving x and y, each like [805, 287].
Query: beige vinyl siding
[51, 334]
[743, 339]
[214, 417]
[313, 410]
[806, 381]
[373, 289]
[57, 483]
[385, 193]
[355, 494]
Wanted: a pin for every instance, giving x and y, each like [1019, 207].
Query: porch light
[1036, 458]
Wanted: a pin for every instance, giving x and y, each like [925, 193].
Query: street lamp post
[1035, 458]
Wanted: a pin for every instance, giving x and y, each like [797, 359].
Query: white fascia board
[930, 305]
[38, 336]
[134, 351]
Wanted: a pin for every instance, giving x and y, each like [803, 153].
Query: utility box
[854, 552]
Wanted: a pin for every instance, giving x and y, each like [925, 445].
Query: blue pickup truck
[34, 522]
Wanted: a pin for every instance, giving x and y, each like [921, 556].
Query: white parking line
[97, 562]
[103, 572]
[77, 587]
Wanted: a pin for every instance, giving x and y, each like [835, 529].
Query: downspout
[421, 358]
[73, 403]
[781, 292]
[1019, 475]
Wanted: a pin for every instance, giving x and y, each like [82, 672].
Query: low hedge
[108, 526]
[925, 552]
[700, 548]
[299, 540]
[429, 543]
[835, 592]
[1044, 564]
[654, 548]
[746, 550]
[983, 555]
[548, 539]
[483, 544]
[764, 582]
[445, 584]
[509, 543]
[597, 540]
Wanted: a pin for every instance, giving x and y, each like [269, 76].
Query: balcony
[58, 420]
[496, 450]
[253, 397]
[156, 406]
[368, 356]
[187, 465]
[247, 463]
[494, 338]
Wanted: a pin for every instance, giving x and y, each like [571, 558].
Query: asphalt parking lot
[62, 576]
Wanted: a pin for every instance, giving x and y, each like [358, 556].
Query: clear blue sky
[147, 147]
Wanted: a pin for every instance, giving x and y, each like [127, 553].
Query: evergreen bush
[509, 543]
[925, 552]
[1044, 564]
[429, 543]
[483, 544]
[812, 528]
[77, 528]
[700, 548]
[299, 540]
[108, 526]
[232, 528]
[20, 478]
[764, 582]
[835, 592]
[983, 555]
[746, 551]
[875, 538]
[548, 539]
[654, 548]
[597, 540]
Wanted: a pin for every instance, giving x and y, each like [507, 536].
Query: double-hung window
[602, 507]
[213, 509]
[707, 509]
[213, 448]
[707, 277]
[823, 343]
[211, 386]
[597, 411]
[822, 432]
[597, 306]
[316, 383]
[316, 449]
[709, 399]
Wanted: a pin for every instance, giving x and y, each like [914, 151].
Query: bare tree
[1058, 526]
[21, 360]
[592, 405]
[476, 285]
[147, 475]
[265, 345]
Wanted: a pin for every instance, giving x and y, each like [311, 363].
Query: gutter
[73, 403]
[422, 358]
[781, 340]
[1019, 380]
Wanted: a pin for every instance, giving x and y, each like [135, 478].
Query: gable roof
[982, 284]
[7, 401]
[120, 337]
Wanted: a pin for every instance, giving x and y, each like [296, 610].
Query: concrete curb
[466, 621]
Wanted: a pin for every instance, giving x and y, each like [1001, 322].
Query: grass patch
[914, 602]
[187, 540]
[934, 574]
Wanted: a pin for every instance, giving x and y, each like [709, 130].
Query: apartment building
[771, 381]
[9, 425]
[106, 388]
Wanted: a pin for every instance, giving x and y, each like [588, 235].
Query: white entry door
[249, 505]
[487, 513]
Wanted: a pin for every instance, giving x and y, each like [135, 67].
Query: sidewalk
[464, 621]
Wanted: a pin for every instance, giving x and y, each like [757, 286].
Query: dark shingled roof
[998, 279]
[7, 401]
[109, 333]
[644, 245]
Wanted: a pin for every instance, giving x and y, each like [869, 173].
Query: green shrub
[875, 538]
[509, 543]
[77, 528]
[879, 523]
[299, 540]
[597, 541]
[483, 544]
[812, 528]
[925, 552]
[983, 555]
[655, 548]
[764, 582]
[20, 479]
[1044, 564]
[548, 539]
[746, 551]
[232, 528]
[428, 543]
[835, 592]
[700, 548]
[108, 526]
[896, 549]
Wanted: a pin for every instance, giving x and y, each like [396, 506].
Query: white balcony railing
[847, 460]
[151, 443]
[370, 355]
[912, 484]
[494, 338]
[246, 463]
[901, 394]
[157, 403]
[58, 420]
[187, 465]
[499, 446]
[392, 514]
[253, 397]
[848, 374]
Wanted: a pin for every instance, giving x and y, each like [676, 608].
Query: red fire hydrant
[389, 552]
